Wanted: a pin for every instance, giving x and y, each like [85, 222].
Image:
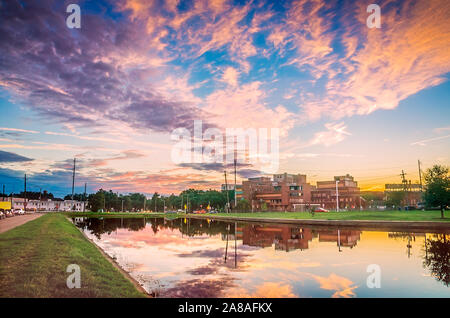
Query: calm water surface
[200, 258]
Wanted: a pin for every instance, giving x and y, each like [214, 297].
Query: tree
[96, 200]
[35, 195]
[437, 258]
[437, 188]
[76, 197]
[395, 198]
[243, 206]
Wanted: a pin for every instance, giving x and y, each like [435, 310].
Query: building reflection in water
[237, 238]
[288, 238]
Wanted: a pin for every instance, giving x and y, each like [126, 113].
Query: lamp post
[337, 196]
[339, 241]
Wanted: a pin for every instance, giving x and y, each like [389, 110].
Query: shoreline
[59, 243]
[369, 224]
[115, 264]
[376, 224]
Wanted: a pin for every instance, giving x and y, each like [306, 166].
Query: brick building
[411, 192]
[286, 192]
[347, 191]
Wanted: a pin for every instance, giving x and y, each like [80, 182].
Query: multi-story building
[343, 238]
[283, 237]
[285, 192]
[229, 187]
[239, 192]
[344, 187]
[47, 205]
[412, 192]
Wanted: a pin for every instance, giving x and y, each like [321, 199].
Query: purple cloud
[12, 157]
[82, 76]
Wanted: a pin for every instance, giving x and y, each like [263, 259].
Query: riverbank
[411, 216]
[417, 220]
[117, 214]
[429, 216]
[413, 220]
[35, 257]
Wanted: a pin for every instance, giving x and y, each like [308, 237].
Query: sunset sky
[346, 98]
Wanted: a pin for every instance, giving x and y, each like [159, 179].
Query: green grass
[114, 214]
[35, 256]
[353, 215]
[417, 215]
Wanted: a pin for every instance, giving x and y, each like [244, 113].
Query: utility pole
[337, 196]
[405, 185]
[25, 195]
[122, 205]
[3, 197]
[84, 198]
[145, 199]
[420, 175]
[73, 181]
[404, 182]
[235, 196]
[40, 198]
[226, 189]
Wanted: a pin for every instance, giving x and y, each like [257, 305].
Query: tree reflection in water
[188, 227]
[437, 257]
[283, 237]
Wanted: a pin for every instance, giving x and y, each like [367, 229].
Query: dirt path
[10, 223]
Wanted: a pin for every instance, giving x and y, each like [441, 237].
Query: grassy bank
[114, 214]
[35, 256]
[434, 216]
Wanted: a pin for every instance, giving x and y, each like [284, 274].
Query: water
[202, 258]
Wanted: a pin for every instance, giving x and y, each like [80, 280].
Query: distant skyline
[346, 98]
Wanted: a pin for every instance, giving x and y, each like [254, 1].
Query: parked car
[19, 212]
[2, 215]
[9, 214]
[200, 211]
[321, 210]
[170, 212]
[213, 211]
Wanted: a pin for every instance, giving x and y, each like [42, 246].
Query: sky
[344, 97]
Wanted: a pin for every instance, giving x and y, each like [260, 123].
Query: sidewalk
[10, 223]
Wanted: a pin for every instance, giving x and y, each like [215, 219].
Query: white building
[48, 205]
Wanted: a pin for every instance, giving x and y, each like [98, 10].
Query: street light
[339, 240]
[337, 196]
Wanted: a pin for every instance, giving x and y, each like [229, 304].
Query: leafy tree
[370, 196]
[243, 206]
[156, 204]
[96, 201]
[437, 188]
[395, 198]
[76, 197]
[33, 195]
[437, 258]
[264, 207]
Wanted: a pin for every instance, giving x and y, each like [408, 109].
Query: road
[10, 223]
